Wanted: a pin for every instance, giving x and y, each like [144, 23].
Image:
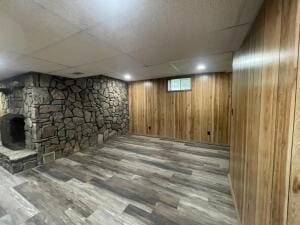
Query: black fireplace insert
[13, 131]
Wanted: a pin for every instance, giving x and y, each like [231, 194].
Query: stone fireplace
[52, 116]
[12, 128]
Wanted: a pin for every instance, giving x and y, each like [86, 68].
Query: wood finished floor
[132, 180]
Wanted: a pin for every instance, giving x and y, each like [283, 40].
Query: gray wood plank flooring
[130, 180]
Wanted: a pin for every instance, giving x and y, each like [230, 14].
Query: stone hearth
[17, 161]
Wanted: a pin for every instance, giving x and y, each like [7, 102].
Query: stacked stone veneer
[65, 115]
[16, 98]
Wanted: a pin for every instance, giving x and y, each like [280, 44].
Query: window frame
[179, 78]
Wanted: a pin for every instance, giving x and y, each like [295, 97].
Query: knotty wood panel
[185, 115]
[263, 102]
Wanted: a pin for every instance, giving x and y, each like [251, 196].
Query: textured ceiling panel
[163, 70]
[121, 64]
[26, 64]
[213, 63]
[77, 50]
[146, 38]
[168, 21]
[31, 27]
[73, 72]
[6, 57]
[87, 13]
[210, 43]
[251, 7]
[7, 73]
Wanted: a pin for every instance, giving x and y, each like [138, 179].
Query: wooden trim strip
[234, 200]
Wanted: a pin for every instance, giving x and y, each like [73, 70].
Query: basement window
[179, 84]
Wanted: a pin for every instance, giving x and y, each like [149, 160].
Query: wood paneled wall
[188, 115]
[294, 194]
[263, 102]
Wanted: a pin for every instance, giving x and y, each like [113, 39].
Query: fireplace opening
[13, 131]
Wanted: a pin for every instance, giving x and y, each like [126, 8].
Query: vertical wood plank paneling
[285, 113]
[263, 102]
[252, 121]
[294, 189]
[182, 115]
[268, 106]
[285, 110]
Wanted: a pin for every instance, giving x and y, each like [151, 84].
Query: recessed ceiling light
[127, 76]
[201, 67]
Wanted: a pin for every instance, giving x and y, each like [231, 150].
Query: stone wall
[16, 97]
[65, 115]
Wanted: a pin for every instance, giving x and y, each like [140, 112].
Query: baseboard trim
[209, 145]
[234, 200]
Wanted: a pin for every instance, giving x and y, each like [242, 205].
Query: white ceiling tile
[165, 22]
[250, 10]
[113, 37]
[213, 63]
[115, 67]
[12, 35]
[6, 57]
[7, 73]
[95, 68]
[239, 35]
[117, 76]
[163, 70]
[86, 13]
[156, 56]
[27, 64]
[30, 26]
[210, 43]
[72, 73]
[121, 64]
[134, 34]
[77, 50]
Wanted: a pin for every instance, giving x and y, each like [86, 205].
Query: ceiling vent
[77, 73]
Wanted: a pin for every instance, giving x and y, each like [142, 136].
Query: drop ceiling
[145, 38]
